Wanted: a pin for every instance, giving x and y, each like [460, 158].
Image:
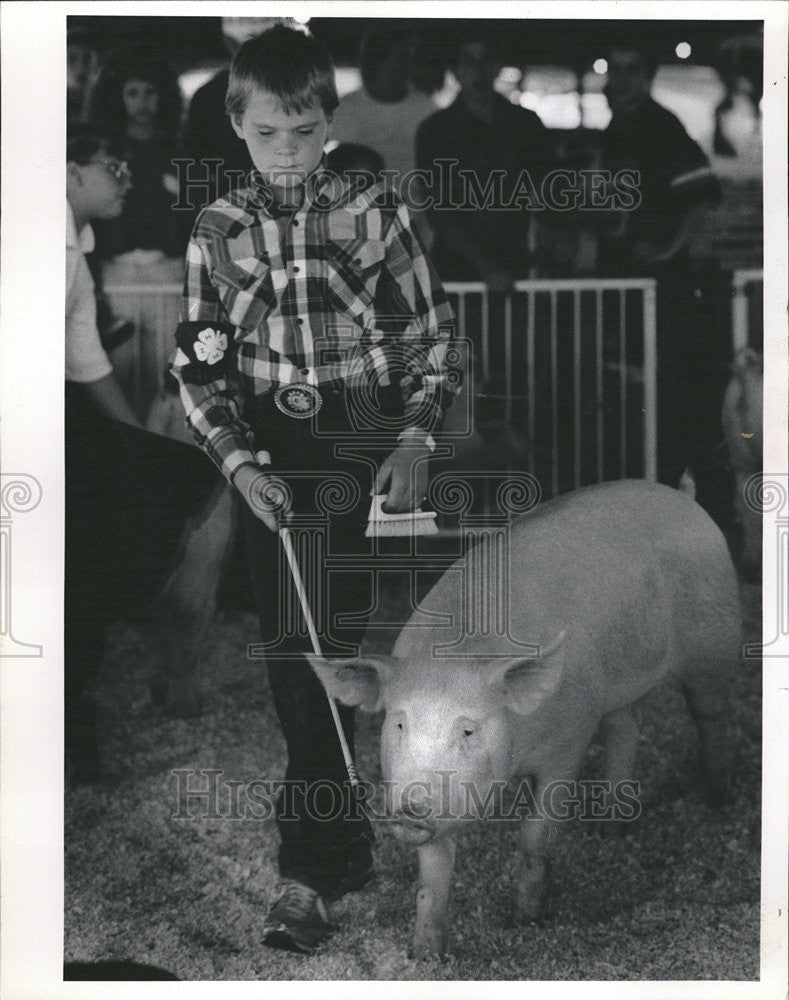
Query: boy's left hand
[403, 477]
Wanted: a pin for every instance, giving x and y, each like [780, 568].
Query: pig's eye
[467, 727]
[399, 725]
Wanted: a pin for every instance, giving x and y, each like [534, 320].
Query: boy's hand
[403, 477]
[266, 496]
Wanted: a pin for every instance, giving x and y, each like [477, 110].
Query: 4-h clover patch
[210, 346]
[205, 344]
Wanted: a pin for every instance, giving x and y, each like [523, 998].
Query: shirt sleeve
[202, 366]
[417, 349]
[86, 360]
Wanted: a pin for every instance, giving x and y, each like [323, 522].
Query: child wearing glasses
[311, 353]
[97, 184]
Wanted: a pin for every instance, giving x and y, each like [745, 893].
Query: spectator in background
[359, 164]
[128, 494]
[677, 186]
[385, 114]
[482, 133]
[97, 183]
[82, 70]
[137, 98]
[219, 160]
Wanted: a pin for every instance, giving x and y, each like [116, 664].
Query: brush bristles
[383, 525]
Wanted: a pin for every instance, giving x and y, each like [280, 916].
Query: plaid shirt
[339, 289]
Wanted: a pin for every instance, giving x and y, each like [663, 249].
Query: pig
[611, 588]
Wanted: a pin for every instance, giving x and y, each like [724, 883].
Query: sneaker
[298, 920]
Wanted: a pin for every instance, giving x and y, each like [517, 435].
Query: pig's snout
[419, 815]
[414, 823]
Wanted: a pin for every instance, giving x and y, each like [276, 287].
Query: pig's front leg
[436, 864]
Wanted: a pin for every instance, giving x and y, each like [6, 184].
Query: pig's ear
[358, 681]
[528, 680]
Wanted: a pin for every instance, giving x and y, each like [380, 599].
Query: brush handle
[287, 544]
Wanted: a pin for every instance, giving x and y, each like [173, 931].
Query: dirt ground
[674, 898]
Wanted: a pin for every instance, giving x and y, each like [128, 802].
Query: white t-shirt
[388, 129]
[86, 359]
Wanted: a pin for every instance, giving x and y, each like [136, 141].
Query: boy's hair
[85, 139]
[288, 63]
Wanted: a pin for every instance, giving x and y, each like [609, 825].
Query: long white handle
[287, 543]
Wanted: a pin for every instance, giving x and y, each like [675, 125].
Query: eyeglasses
[120, 171]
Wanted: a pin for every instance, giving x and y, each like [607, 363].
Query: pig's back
[637, 573]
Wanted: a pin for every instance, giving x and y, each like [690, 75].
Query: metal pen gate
[569, 367]
[747, 308]
[565, 370]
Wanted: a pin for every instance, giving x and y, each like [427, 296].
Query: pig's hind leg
[533, 882]
[706, 695]
[620, 730]
[553, 799]
[551, 802]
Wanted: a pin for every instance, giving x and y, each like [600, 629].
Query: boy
[307, 299]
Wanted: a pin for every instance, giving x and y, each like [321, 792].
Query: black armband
[206, 344]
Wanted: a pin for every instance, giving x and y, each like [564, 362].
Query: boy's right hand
[267, 496]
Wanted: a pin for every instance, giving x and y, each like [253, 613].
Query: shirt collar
[83, 240]
[321, 187]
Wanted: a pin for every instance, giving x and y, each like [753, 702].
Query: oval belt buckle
[298, 400]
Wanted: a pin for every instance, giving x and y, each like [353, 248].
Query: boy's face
[285, 147]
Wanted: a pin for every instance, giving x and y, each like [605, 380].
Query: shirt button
[298, 320]
[304, 371]
[295, 222]
[296, 268]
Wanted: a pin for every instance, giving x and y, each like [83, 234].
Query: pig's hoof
[429, 947]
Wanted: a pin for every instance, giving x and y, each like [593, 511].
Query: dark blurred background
[554, 67]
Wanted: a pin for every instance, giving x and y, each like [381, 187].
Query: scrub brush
[383, 525]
